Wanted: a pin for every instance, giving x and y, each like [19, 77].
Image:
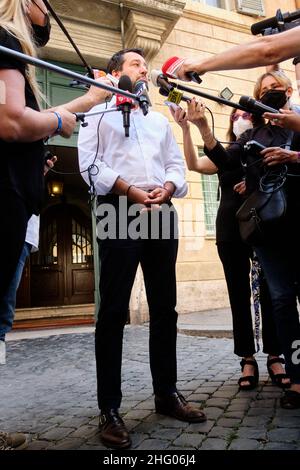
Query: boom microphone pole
[67, 34]
[218, 99]
[68, 73]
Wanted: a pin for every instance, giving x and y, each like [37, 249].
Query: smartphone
[174, 106]
[254, 146]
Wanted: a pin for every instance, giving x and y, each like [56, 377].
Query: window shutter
[250, 7]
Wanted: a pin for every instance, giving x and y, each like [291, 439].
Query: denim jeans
[280, 263]
[8, 303]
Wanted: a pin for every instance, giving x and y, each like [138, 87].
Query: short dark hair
[117, 60]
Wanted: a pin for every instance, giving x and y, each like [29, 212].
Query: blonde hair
[14, 20]
[278, 75]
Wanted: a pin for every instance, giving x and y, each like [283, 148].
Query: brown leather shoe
[176, 406]
[113, 432]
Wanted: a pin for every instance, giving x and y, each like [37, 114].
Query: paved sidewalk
[48, 391]
[212, 323]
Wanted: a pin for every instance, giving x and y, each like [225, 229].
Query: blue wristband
[59, 122]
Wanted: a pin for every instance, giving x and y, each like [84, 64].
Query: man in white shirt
[131, 175]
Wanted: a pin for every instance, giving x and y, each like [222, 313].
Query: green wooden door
[57, 90]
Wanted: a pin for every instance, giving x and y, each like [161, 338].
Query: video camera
[276, 24]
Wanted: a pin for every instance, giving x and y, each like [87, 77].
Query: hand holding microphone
[99, 95]
[179, 68]
[196, 113]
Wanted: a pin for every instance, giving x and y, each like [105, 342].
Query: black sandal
[277, 379]
[252, 379]
[290, 400]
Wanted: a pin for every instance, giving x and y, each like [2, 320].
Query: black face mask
[274, 98]
[41, 34]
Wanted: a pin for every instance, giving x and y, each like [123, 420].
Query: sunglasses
[236, 116]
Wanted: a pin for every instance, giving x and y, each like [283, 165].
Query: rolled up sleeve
[174, 165]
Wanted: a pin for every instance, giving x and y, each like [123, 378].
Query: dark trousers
[235, 258]
[14, 219]
[280, 263]
[119, 260]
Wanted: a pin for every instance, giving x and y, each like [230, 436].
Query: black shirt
[22, 163]
[227, 229]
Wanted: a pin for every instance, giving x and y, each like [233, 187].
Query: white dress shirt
[33, 232]
[147, 158]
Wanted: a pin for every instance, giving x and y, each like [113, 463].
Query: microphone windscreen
[125, 83]
[140, 87]
[171, 65]
[154, 76]
[246, 101]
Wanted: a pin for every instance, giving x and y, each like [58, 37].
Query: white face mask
[241, 125]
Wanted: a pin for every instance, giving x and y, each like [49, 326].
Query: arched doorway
[62, 270]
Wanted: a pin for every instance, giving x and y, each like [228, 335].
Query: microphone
[171, 66]
[160, 80]
[123, 103]
[167, 89]
[141, 90]
[256, 107]
[163, 92]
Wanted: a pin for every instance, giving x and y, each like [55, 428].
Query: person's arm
[297, 72]
[277, 155]
[23, 124]
[201, 165]
[175, 183]
[261, 51]
[93, 97]
[174, 164]
[287, 118]
[196, 114]
[296, 63]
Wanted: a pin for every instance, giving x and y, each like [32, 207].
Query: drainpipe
[122, 24]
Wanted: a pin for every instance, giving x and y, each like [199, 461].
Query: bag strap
[278, 180]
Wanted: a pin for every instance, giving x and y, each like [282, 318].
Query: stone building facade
[165, 28]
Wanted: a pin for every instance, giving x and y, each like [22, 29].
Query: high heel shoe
[252, 379]
[277, 379]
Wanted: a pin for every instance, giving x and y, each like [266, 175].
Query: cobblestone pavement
[48, 391]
